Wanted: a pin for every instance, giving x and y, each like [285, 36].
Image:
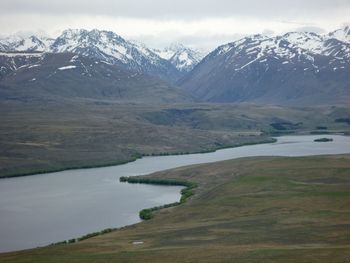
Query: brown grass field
[44, 136]
[271, 209]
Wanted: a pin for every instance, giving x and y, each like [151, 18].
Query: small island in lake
[323, 140]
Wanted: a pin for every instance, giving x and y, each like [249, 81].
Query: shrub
[147, 213]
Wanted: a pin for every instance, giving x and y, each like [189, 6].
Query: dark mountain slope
[67, 75]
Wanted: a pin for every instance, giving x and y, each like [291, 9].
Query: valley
[91, 98]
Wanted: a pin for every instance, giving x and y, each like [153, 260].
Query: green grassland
[42, 136]
[268, 209]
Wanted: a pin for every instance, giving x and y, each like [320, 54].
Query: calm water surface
[41, 209]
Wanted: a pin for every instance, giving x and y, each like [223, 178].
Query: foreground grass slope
[267, 209]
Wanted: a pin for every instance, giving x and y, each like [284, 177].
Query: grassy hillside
[39, 136]
[247, 210]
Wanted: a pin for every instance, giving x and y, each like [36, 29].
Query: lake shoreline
[270, 139]
[144, 214]
[139, 175]
[254, 175]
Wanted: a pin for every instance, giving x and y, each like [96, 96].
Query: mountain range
[112, 48]
[297, 68]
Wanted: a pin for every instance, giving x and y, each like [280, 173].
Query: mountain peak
[342, 34]
[176, 46]
[72, 32]
[257, 37]
[182, 57]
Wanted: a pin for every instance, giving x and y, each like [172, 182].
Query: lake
[41, 209]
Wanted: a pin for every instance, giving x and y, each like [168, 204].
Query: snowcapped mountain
[183, 58]
[112, 48]
[32, 43]
[295, 67]
[170, 64]
[98, 44]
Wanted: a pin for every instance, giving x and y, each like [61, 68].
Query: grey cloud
[167, 20]
[200, 41]
[173, 9]
[314, 29]
[268, 32]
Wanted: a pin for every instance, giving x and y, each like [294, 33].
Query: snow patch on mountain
[67, 67]
[305, 40]
[18, 54]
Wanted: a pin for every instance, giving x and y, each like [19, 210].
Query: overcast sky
[197, 23]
